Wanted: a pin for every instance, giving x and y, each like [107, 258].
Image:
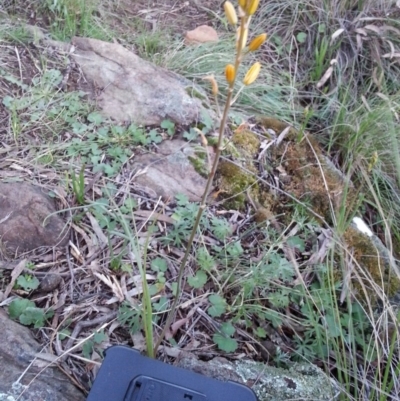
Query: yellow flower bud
[257, 42]
[244, 38]
[242, 3]
[230, 13]
[252, 7]
[252, 73]
[230, 73]
[214, 85]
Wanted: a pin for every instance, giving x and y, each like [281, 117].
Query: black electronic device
[126, 375]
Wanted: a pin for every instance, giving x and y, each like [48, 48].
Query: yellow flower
[252, 73]
[230, 13]
[252, 6]
[257, 42]
[242, 3]
[230, 73]
[244, 38]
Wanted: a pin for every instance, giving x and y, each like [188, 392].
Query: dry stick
[88, 323]
[203, 202]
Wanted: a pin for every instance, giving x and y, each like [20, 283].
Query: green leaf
[18, 307]
[174, 287]
[7, 101]
[35, 316]
[218, 305]
[333, 326]
[204, 259]
[273, 317]
[224, 343]
[220, 228]
[260, 332]
[154, 136]
[161, 305]
[297, 242]
[99, 337]
[207, 121]
[28, 282]
[87, 349]
[159, 265]
[169, 126]
[181, 199]
[130, 316]
[190, 135]
[235, 249]
[301, 37]
[95, 118]
[63, 334]
[161, 277]
[199, 280]
[228, 329]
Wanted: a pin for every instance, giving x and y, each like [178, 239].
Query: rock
[374, 257]
[201, 34]
[170, 171]
[300, 382]
[17, 350]
[50, 282]
[28, 220]
[132, 89]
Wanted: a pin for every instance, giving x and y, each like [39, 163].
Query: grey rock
[300, 382]
[50, 282]
[170, 171]
[133, 89]
[17, 374]
[28, 219]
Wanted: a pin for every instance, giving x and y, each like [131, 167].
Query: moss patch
[306, 174]
[246, 142]
[233, 184]
[370, 258]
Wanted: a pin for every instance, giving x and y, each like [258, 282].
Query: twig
[89, 323]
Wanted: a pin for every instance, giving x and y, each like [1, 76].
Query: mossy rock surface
[297, 162]
[299, 172]
[306, 174]
[369, 254]
[233, 184]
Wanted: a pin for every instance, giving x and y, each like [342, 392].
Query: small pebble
[50, 282]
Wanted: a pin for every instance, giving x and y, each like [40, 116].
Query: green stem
[210, 179]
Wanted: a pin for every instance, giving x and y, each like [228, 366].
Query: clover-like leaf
[218, 305]
[226, 344]
[199, 280]
[159, 265]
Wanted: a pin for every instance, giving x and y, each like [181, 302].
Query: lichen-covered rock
[301, 382]
[170, 171]
[26, 381]
[133, 89]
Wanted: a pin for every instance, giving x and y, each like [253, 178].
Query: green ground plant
[73, 18]
[28, 314]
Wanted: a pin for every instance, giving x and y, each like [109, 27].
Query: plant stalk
[210, 179]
